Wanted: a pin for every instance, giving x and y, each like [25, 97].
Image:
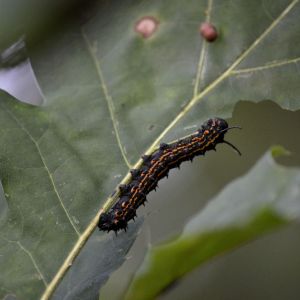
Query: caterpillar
[157, 166]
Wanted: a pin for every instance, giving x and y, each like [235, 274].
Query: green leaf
[278, 151]
[109, 96]
[264, 199]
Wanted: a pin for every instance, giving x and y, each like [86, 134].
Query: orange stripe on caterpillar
[157, 166]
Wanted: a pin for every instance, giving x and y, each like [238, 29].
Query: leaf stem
[71, 257]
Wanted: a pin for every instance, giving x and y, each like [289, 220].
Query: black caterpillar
[156, 166]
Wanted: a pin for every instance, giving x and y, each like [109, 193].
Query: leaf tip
[279, 150]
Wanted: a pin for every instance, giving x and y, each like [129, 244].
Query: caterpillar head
[216, 124]
[216, 129]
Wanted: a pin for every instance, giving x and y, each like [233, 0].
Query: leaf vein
[203, 52]
[31, 258]
[33, 262]
[45, 166]
[271, 65]
[107, 96]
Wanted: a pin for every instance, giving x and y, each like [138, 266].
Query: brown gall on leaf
[208, 31]
[146, 26]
